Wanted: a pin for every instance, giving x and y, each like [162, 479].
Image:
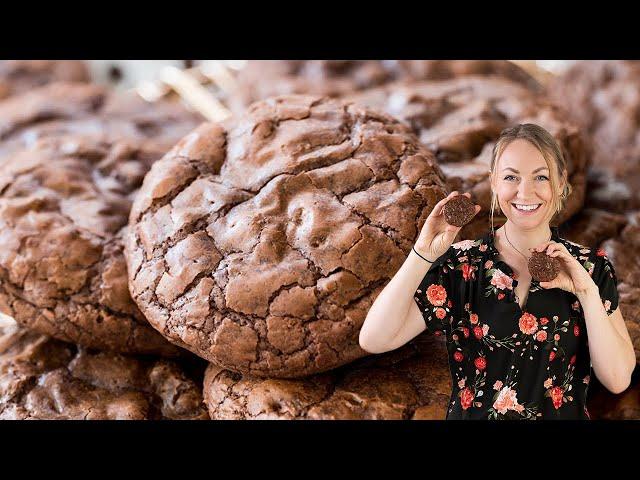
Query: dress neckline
[489, 240]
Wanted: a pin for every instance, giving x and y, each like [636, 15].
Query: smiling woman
[517, 346]
[532, 174]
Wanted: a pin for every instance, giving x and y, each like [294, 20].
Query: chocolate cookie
[459, 211]
[63, 205]
[542, 267]
[460, 119]
[261, 244]
[410, 383]
[17, 76]
[90, 110]
[265, 78]
[604, 405]
[622, 251]
[604, 97]
[43, 378]
[591, 227]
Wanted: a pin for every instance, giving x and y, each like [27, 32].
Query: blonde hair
[550, 150]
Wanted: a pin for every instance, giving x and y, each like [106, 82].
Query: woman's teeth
[526, 208]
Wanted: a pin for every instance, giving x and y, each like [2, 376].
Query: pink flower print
[541, 336]
[464, 245]
[500, 280]
[507, 400]
[528, 324]
[497, 385]
[466, 398]
[547, 383]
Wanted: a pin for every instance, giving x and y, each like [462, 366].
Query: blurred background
[125, 74]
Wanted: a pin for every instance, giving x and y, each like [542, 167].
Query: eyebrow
[516, 171]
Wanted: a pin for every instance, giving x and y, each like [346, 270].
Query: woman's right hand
[437, 235]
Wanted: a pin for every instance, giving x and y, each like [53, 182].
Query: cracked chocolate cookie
[623, 252]
[410, 383]
[90, 110]
[459, 211]
[604, 405]
[261, 244]
[63, 205]
[44, 378]
[604, 98]
[460, 119]
[542, 267]
[592, 226]
[17, 76]
[265, 78]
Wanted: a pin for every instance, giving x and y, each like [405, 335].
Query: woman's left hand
[573, 277]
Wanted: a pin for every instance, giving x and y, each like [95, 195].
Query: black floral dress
[507, 362]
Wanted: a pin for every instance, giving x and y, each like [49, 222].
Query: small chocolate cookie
[44, 378]
[459, 211]
[542, 267]
[412, 382]
[261, 244]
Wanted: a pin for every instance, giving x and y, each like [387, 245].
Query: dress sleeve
[604, 276]
[434, 295]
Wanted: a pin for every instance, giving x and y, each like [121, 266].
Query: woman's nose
[525, 188]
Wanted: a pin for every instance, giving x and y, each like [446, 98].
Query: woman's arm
[388, 316]
[612, 355]
[394, 318]
[610, 347]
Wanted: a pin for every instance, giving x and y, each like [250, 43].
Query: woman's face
[523, 186]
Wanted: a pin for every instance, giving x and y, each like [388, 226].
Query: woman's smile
[522, 208]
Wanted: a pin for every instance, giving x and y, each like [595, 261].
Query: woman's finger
[555, 246]
[437, 210]
[542, 246]
[563, 256]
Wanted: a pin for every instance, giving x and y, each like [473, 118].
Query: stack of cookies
[72, 157]
[161, 266]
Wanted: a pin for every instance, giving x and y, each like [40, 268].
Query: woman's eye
[509, 177]
[542, 178]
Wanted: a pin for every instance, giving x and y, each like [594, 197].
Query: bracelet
[416, 252]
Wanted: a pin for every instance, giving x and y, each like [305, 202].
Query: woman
[517, 347]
